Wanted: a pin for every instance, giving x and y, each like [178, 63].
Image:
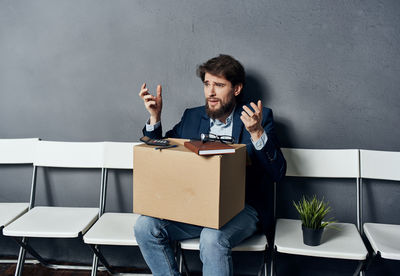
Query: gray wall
[71, 70]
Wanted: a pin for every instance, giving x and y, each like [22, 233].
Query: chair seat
[341, 241]
[113, 229]
[11, 211]
[256, 242]
[53, 222]
[384, 238]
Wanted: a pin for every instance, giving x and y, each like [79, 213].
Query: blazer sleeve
[270, 157]
[175, 132]
[155, 134]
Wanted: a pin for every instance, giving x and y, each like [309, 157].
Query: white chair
[343, 240]
[256, 243]
[56, 222]
[384, 238]
[112, 228]
[15, 151]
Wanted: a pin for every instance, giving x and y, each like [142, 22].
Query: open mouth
[213, 101]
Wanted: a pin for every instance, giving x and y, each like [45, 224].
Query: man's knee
[147, 228]
[214, 240]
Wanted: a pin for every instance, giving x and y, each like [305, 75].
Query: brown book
[209, 148]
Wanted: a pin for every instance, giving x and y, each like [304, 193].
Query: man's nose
[212, 90]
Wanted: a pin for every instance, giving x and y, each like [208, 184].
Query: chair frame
[378, 174]
[23, 242]
[95, 248]
[361, 263]
[98, 255]
[25, 151]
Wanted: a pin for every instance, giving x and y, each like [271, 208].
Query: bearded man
[222, 115]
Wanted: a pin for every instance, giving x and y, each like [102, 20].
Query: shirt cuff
[260, 143]
[150, 128]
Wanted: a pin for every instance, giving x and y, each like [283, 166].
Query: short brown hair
[225, 66]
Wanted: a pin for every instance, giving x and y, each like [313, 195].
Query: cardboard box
[179, 185]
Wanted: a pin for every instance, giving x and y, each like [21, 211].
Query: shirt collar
[221, 124]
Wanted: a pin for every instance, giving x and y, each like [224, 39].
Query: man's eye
[206, 84]
[220, 84]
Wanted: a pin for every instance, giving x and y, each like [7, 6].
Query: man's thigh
[242, 226]
[178, 231]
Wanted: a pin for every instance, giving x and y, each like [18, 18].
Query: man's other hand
[252, 120]
[152, 104]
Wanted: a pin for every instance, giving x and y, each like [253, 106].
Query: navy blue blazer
[267, 165]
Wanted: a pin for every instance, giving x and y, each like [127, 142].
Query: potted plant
[312, 213]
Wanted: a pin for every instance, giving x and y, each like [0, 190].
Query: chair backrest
[380, 164]
[329, 163]
[69, 154]
[118, 155]
[326, 163]
[17, 151]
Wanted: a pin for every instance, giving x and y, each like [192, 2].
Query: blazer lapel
[237, 124]
[204, 124]
[236, 129]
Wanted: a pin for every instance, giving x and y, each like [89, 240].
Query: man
[223, 78]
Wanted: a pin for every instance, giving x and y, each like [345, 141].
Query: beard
[225, 109]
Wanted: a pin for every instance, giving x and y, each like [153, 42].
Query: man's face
[220, 96]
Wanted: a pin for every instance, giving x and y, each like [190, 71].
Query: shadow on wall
[120, 191]
[283, 133]
[47, 186]
[257, 88]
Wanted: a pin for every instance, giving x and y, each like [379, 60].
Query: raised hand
[252, 120]
[153, 104]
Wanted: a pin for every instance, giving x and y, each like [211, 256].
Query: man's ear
[237, 89]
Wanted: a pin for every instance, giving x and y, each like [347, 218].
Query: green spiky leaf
[312, 212]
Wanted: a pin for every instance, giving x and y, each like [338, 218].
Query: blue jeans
[155, 236]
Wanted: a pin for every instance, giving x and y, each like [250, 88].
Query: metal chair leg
[273, 262]
[360, 269]
[21, 260]
[24, 244]
[96, 251]
[95, 265]
[180, 262]
[263, 268]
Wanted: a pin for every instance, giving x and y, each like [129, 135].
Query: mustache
[213, 98]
